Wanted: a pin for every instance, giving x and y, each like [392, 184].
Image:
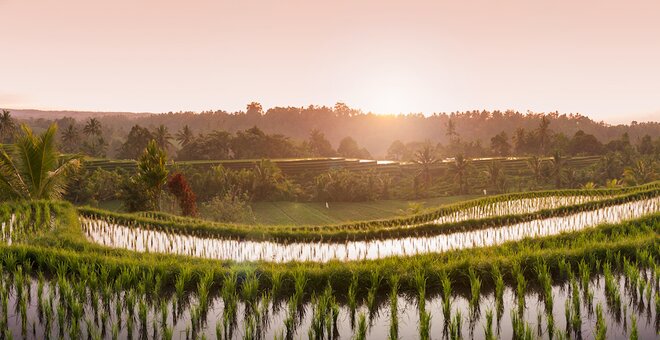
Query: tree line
[370, 131]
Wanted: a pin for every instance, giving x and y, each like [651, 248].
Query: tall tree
[137, 140]
[7, 127]
[642, 171]
[520, 141]
[152, 172]
[319, 145]
[460, 168]
[535, 166]
[557, 168]
[496, 176]
[162, 137]
[425, 159]
[33, 168]
[349, 148]
[70, 139]
[92, 127]
[543, 133]
[185, 136]
[500, 144]
[451, 131]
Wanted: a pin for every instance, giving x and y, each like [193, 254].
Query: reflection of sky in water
[618, 327]
[142, 240]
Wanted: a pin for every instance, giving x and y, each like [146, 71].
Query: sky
[598, 58]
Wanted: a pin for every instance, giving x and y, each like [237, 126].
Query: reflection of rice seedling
[475, 289]
[424, 325]
[362, 328]
[488, 328]
[601, 327]
[455, 327]
[576, 320]
[520, 292]
[498, 279]
[545, 279]
[394, 308]
[633, 328]
[352, 297]
[446, 296]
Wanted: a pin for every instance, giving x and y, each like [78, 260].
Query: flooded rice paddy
[34, 308]
[143, 240]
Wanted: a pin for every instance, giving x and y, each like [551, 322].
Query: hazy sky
[600, 58]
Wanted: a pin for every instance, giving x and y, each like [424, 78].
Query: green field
[313, 213]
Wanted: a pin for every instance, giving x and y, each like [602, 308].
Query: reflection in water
[100, 316]
[142, 240]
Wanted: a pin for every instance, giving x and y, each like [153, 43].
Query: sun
[389, 92]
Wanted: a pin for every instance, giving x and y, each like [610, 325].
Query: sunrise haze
[598, 58]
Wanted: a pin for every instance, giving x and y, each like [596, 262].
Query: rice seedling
[633, 328]
[475, 289]
[420, 285]
[372, 293]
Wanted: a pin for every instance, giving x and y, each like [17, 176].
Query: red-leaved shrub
[179, 187]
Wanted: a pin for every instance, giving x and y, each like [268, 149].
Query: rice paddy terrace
[552, 264]
[296, 166]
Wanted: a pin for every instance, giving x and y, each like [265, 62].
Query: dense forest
[374, 134]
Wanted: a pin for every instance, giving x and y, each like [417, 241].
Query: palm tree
[643, 171]
[70, 138]
[534, 164]
[460, 169]
[92, 127]
[543, 133]
[162, 137]
[557, 168]
[425, 159]
[35, 169]
[496, 175]
[185, 136]
[7, 127]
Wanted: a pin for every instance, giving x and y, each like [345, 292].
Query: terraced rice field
[555, 265]
[144, 240]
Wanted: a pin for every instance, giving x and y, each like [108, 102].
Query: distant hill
[77, 115]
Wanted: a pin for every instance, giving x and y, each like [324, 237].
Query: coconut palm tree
[425, 159]
[162, 137]
[33, 168]
[643, 171]
[92, 127]
[7, 127]
[496, 176]
[185, 136]
[460, 168]
[557, 168]
[70, 138]
[534, 164]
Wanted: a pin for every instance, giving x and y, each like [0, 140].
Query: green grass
[316, 213]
